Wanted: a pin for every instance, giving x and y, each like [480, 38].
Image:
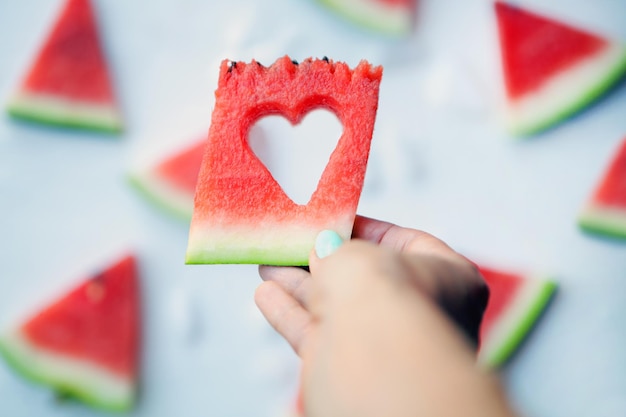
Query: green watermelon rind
[277, 244]
[161, 195]
[285, 256]
[497, 351]
[370, 18]
[64, 112]
[14, 350]
[599, 86]
[610, 222]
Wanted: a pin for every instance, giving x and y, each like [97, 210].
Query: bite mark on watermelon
[170, 182]
[515, 304]
[391, 17]
[84, 344]
[68, 83]
[605, 212]
[241, 214]
[552, 70]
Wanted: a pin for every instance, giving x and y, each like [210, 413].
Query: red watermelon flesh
[605, 212]
[68, 83]
[241, 214]
[515, 303]
[171, 181]
[85, 344]
[391, 17]
[551, 69]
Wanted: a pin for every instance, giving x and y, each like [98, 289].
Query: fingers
[398, 238]
[365, 294]
[403, 257]
[284, 313]
[447, 279]
[282, 299]
[370, 229]
[457, 287]
[295, 281]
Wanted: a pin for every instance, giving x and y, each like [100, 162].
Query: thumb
[349, 273]
[326, 243]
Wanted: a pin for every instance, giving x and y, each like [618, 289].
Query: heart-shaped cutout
[296, 155]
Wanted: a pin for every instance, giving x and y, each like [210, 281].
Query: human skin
[386, 326]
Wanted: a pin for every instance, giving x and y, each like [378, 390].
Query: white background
[440, 161]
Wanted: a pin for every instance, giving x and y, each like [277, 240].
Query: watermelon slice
[605, 213]
[392, 17]
[515, 303]
[69, 84]
[241, 214]
[171, 181]
[85, 344]
[552, 70]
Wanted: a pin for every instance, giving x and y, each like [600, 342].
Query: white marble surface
[440, 161]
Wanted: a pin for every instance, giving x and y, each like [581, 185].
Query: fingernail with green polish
[326, 243]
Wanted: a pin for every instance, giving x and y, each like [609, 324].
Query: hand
[454, 282]
[377, 327]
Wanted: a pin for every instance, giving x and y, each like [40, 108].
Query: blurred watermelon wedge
[516, 302]
[68, 83]
[85, 343]
[170, 182]
[390, 17]
[552, 70]
[605, 212]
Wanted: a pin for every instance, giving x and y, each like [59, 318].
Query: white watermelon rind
[162, 194]
[607, 221]
[516, 322]
[65, 112]
[281, 243]
[393, 21]
[566, 94]
[80, 379]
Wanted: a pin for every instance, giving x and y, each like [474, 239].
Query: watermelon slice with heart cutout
[241, 214]
[390, 17]
[516, 302]
[605, 212]
[68, 83]
[85, 343]
[170, 182]
[552, 70]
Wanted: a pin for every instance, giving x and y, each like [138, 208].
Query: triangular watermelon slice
[241, 214]
[85, 344]
[605, 212]
[171, 181]
[391, 17]
[552, 70]
[516, 301]
[68, 83]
